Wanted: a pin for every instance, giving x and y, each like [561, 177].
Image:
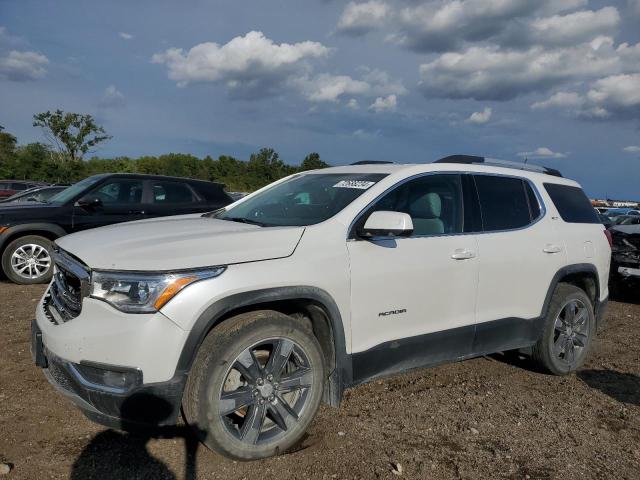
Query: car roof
[155, 177]
[409, 169]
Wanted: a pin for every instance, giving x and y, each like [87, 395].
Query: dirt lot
[484, 418]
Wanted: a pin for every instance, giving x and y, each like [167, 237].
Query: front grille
[70, 285]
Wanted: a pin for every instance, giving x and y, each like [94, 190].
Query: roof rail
[473, 159]
[371, 162]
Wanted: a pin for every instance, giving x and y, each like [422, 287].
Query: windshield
[75, 189]
[302, 200]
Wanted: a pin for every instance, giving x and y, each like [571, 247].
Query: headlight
[144, 292]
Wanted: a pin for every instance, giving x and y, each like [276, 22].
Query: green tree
[312, 162]
[7, 153]
[72, 134]
[264, 167]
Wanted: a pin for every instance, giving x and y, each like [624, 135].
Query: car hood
[176, 243]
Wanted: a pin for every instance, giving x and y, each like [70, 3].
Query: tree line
[71, 136]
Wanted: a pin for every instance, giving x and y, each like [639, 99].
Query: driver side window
[434, 203]
[119, 192]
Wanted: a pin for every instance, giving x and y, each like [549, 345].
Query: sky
[556, 82]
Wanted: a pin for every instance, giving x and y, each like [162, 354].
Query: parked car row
[28, 226]
[9, 188]
[35, 194]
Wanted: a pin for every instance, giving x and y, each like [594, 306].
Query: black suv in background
[26, 231]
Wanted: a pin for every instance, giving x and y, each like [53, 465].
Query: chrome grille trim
[71, 281]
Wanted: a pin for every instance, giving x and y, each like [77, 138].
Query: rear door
[170, 197]
[121, 200]
[520, 251]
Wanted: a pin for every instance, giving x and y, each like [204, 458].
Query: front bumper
[138, 405]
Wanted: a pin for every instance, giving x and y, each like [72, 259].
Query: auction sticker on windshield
[359, 184]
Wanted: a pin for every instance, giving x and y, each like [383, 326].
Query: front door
[413, 299]
[120, 201]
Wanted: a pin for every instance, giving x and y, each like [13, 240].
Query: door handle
[133, 212]
[462, 254]
[552, 248]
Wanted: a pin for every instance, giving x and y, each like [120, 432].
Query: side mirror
[90, 203]
[387, 224]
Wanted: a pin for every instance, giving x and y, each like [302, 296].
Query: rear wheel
[569, 330]
[255, 386]
[27, 260]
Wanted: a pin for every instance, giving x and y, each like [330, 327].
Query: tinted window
[20, 186]
[434, 203]
[572, 204]
[174, 193]
[212, 193]
[119, 191]
[503, 202]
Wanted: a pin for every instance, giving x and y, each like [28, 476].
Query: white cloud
[331, 88]
[616, 95]
[493, 73]
[360, 18]
[21, 66]
[353, 104]
[479, 118]
[632, 149]
[384, 104]
[442, 26]
[542, 152]
[112, 97]
[125, 35]
[560, 100]
[574, 27]
[251, 65]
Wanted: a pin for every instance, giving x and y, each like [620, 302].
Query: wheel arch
[313, 303]
[47, 230]
[582, 275]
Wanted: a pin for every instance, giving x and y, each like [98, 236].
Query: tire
[566, 337]
[32, 247]
[223, 379]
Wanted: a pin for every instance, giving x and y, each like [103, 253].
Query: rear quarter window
[572, 203]
[213, 193]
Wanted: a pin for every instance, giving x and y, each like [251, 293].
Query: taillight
[607, 234]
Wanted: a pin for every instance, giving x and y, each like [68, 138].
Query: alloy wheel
[30, 261]
[265, 391]
[571, 332]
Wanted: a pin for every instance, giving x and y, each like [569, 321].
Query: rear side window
[504, 202]
[212, 193]
[172, 193]
[572, 203]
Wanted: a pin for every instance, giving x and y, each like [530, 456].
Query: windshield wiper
[243, 220]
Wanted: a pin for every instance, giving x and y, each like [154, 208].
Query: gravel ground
[493, 417]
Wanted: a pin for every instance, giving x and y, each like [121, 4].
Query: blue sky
[556, 81]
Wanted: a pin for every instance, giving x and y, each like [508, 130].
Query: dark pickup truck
[26, 231]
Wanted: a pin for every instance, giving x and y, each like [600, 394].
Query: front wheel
[569, 329]
[27, 260]
[255, 386]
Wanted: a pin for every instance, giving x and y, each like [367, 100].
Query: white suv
[248, 317]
